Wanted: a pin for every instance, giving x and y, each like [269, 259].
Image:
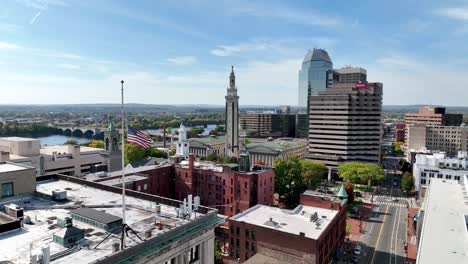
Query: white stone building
[50, 160]
[438, 165]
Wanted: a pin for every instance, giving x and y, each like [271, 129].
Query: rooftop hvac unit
[14, 211]
[158, 209]
[59, 195]
[314, 217]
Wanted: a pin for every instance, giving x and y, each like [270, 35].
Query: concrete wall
[24, 181]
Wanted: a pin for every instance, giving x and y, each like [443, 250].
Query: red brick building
[310, 233]
[400, 128]
[220, 186]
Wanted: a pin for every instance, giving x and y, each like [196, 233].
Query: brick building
[310, 233]
[400, 131]
[436, 116]
[222, 186]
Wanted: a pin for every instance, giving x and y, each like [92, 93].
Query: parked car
[357, 250]
[357, 194]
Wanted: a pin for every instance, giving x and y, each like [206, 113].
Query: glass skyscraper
[314, 71]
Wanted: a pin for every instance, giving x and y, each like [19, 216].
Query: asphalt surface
[385, 233]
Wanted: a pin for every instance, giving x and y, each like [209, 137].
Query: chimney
[46, 254]
[191, 161]
[4, 156]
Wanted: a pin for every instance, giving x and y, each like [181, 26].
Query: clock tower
[232, 118]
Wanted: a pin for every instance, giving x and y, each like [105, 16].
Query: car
[395, 200]
[357, 250]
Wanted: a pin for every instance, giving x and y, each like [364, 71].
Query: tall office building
[436, 116]
[345, 123]
[232, 118]
[313, 74]
[352, 74]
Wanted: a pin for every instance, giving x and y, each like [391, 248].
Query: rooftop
[10, 167]
[18, 139]
[118, 181]
[444, 237]
[289, 221]
[50, 149]
[140, 216]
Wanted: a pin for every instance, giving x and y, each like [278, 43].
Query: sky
[181, 52]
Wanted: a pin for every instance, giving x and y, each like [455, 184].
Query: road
[385, 233]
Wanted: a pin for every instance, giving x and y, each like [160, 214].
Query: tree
[134, 153]
[96, 144]
[404, 166]
[397, 147]
[362, 173]
[218, 256]
[350, 192]
[313, 173]
[407, 182]
[71, 142]
[194, 131]
[289, 182]
[219, 129]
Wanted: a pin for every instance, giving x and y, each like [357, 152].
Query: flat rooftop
[140, 215]
[444, 235]
[50, 149]
[11, 167]
[128, 179]
[18, 139]
[289, 221]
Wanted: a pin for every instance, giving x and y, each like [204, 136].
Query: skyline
[56, 45]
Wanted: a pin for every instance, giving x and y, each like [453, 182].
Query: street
[385, 234]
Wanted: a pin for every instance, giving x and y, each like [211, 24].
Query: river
[59, 140]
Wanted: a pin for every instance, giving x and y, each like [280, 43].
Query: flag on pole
[136, 136]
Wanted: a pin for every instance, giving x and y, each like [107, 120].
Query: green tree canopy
[313, 172]
[134, 153]
[95, 144]
[194, 131]
[71, 142]
[397, 147]
[288, 180]
[219, 129]
[407, 182]
[362, 173]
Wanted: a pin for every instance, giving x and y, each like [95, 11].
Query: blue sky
[180, 52]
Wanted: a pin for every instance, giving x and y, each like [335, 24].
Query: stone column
[208, 251]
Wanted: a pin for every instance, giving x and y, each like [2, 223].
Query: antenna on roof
[122, 244]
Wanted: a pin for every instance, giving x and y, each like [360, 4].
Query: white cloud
[69, 66]
[41, 4]
[275, 11]
[458, 13]
[277, 46]
[6, 45]
[259, 82]
[409, 80]
[182, 60]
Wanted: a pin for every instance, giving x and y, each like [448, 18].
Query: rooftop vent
[313, 217]
[59, 195]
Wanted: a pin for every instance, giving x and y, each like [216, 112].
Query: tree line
[35, 130]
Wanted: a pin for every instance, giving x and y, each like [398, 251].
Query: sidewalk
[411, 250]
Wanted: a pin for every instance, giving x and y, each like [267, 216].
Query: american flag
[135, 136]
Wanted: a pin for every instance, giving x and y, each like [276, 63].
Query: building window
[145, 187]
[7, 189]
[139, 188]
[253, 235]
[238, 231]
[247, 233]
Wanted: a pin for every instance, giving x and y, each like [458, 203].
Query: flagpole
[123, 169]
